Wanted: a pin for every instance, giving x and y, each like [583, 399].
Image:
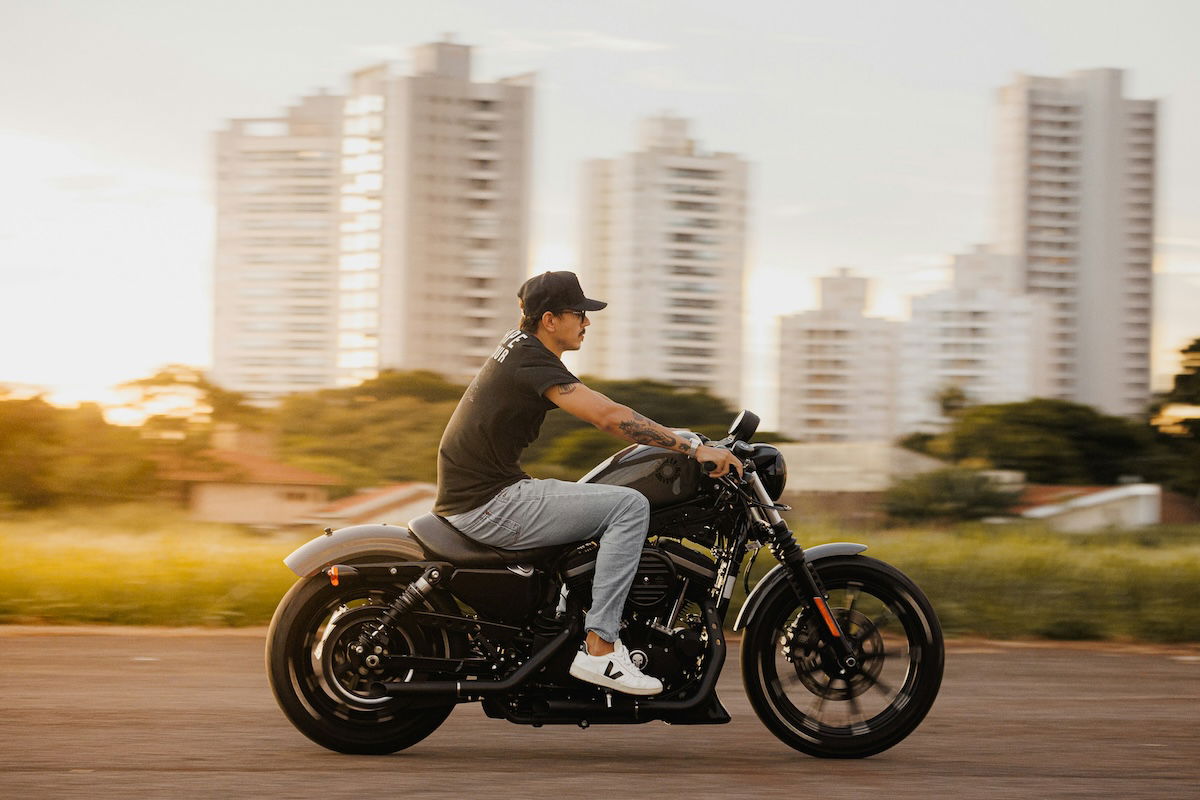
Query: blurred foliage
[180, 402]
[51, 456]
[145, 565]
[384, 430]
[1054, 442]
[388, 429]
[947, 495]
[568, 446]
[1186, 386]
[139, 565]
[1183, 443]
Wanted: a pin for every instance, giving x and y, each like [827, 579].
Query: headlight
[771, 469]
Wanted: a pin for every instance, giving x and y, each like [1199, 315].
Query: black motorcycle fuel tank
[663, 476]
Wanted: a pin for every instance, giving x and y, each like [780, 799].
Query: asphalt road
[178, 714]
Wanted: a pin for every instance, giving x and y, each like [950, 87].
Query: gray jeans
[540, 513]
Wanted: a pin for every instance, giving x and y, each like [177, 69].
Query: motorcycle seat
[444, 542]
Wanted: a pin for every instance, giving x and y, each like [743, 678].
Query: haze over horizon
[869, 134]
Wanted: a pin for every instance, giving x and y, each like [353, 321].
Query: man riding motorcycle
[483, 491]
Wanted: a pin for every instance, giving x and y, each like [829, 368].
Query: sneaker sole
[601, 680]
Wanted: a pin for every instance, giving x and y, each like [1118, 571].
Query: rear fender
[763, 588]
[346, 544]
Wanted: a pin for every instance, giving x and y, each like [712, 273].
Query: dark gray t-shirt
[498, 416]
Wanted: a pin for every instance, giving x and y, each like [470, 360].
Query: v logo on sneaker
[608, 671]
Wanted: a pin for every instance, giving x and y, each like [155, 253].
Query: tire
[794, 689]
[322, 694]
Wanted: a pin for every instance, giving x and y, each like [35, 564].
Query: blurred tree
[1054, 441]
[99, 462]
[918, 442]
[948, 495]
[1186, 387]
[29, 441]
[951, 399]
[179, 400]
[50, 456]
[692, 409]
[1182, 440]
[386, 429]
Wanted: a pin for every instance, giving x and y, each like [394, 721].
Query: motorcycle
[389, 628]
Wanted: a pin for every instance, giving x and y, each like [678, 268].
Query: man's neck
[549, 343]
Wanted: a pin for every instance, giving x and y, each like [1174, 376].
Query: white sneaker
[614, 671]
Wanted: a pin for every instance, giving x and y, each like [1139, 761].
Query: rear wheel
[323, 684]
[794, 682]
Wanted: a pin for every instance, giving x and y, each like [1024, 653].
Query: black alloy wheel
[321, 664]
[796, 685]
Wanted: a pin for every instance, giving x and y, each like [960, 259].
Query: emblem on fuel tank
[668, 472]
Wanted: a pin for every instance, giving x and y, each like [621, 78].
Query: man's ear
[548, 320]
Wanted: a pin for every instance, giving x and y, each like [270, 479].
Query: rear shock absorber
[412, 595]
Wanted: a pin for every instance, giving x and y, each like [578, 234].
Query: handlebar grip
[708, 466]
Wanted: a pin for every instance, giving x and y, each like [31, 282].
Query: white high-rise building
[664, 243]
[982, 336]
[275, 271]
[436, 215]
[838, 368]
[1076, 204]
[386, 229]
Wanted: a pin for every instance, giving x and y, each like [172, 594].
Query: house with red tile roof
[247, 488]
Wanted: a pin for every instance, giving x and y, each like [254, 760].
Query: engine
[662, 642]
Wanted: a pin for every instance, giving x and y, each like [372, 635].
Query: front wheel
[322, 683]
[796, 686]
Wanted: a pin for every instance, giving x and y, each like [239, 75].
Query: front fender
[357, 540]
[763, 588]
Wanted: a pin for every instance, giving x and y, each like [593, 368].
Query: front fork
[802, 577]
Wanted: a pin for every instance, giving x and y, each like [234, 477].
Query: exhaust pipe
[469, 690]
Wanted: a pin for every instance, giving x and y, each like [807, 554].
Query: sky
[869, 128]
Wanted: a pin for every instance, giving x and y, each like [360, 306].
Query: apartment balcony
[482, 313]
[1037, 251]
[1039, 116]
[1053, 239]
[1046, 203]
[1055, 161]
[483, 174]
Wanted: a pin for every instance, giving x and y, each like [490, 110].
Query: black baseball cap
[555, 291]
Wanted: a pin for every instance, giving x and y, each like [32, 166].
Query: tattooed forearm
[645, 431]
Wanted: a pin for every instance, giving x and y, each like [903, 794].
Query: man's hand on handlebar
[723, 459]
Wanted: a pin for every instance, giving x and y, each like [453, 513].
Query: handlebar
[740, 450]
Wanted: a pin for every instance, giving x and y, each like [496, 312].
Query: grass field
[139, 565]
[143, 565]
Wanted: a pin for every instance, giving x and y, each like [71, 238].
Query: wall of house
[254, 503]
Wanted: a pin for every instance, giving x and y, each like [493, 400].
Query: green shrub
[950, 494]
